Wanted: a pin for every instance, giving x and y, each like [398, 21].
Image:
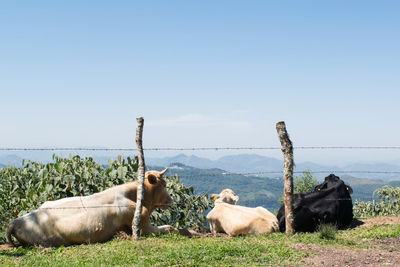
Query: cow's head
[159, 196]
[330, 181]
[226, 196]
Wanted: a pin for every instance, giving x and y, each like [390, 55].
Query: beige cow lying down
[94, 218]
[238, 220]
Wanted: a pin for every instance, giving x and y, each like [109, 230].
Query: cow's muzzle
[167, 204]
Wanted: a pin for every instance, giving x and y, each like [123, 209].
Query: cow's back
[239, 220]
[75, 220]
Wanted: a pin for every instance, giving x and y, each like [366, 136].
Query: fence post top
[280, 124]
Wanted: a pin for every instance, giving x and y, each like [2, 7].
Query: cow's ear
[235, 199]
[348, 188]
[152, 178]
[214, 197]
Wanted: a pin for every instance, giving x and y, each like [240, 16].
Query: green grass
[381, 231]
[160, 251]
[172, 250]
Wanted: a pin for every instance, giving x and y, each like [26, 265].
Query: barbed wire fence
[191, 148]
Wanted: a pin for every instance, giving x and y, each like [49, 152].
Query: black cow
[329, 202]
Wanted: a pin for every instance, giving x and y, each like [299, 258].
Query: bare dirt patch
[389, 243]
[6, 246]
[382, 252]
[385, 220]
[350, 257]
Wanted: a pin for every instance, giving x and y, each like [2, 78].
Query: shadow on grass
[11, 251]
[355, 223]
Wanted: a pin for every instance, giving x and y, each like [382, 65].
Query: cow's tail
[10, 233]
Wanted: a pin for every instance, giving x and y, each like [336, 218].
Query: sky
[202, 74]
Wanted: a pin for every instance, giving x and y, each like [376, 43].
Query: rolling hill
[258, 191]
[251, 163]
[252, 191]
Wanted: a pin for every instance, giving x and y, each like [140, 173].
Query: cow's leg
[150, 229]
[167, 229]
[147, 228]
[213, 228]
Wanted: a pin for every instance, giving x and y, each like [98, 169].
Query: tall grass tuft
[327, 231]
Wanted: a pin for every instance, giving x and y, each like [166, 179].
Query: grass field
[276, 249]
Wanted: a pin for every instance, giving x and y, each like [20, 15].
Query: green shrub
[187, 210]
[388, 204]
[304, 183]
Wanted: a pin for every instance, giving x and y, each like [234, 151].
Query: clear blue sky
[201, 73]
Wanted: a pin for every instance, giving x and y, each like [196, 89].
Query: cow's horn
[164, 171]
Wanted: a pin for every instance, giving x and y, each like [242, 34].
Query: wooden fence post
[140, 192]
[287, 150]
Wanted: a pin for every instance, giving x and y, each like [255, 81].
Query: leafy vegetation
[188, 209]
[304, 183]
[389, 203]
[24, 189]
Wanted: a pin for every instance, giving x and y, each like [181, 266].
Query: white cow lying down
[238, 220]
[94, 218]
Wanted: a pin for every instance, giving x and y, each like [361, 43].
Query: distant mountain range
[251, 163]
[242, 163]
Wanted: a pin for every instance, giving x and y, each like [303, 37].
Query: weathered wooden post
[140, 191]
[287, 150]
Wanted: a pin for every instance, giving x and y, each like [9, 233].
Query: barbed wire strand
[192, 148]
[255, 174]
[241, 202]
[280, 172]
